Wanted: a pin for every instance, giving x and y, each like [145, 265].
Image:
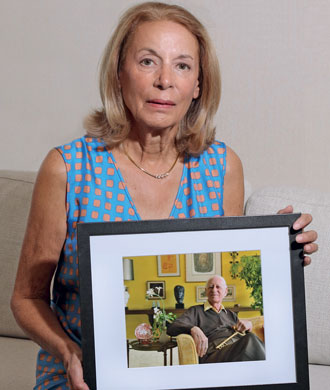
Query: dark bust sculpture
[179, 294]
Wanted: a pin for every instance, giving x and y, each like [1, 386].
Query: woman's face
[159, 77]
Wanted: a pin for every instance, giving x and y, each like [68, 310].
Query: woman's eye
[184, 66]
[146, 62]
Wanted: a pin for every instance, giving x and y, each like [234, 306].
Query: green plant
[160, 316]
[248, 268]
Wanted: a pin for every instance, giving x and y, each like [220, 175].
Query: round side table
[154, 346]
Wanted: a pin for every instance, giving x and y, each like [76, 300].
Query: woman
[149, 154]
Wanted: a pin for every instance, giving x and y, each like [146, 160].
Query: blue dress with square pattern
[96, 192]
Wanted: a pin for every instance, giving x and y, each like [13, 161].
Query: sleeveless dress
[96, 192]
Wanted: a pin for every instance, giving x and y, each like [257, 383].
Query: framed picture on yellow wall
[201, 294]
[201, 266]
[159, 287]
[168, 265]
[231, 294]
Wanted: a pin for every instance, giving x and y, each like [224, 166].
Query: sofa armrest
[186, 349]
[258, 327]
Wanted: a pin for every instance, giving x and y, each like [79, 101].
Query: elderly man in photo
[210, 324]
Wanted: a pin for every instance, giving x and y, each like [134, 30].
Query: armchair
[187, 348]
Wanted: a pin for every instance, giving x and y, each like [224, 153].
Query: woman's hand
[306, 238]
[74, 371]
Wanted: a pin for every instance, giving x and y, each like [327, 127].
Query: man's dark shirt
[214, 325]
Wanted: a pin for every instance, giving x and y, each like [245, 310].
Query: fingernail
[296, 226]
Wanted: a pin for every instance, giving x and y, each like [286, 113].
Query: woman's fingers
[286, 210]
[75, 374]
[306, 238]
[303, 221]
[307, 260]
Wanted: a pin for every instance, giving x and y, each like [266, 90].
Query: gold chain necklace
[157, 176]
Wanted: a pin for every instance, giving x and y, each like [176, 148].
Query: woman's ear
[196, 90]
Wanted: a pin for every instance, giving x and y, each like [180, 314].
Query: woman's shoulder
[55, 165]
[218, 147]
[233, 162]
[224, 151]
[213, 157]
[221, 148]
[83, 148]
[84, 142]
[52, 174]
[233, 197]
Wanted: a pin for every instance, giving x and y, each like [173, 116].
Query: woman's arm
[233, 189]
[42, 245]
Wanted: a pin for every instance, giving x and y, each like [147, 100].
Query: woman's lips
[161, 103]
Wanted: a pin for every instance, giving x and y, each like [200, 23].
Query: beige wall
[275, 61]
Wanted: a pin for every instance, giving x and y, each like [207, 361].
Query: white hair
[217, 276]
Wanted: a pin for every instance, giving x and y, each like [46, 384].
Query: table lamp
[128, 272]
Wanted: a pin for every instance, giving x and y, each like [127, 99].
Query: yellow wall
[242, 293]
[145, 269]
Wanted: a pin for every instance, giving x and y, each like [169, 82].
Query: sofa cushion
[15, 196]
[18, 363]
[319, 377]
[317, 276]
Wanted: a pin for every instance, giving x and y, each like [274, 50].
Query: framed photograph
[104, 338]
[231, 294]
[168, 265]
[202, 266]
[201, 294]
[158, 286]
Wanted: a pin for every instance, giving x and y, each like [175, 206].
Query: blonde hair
[111, 122]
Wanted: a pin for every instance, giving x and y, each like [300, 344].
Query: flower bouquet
[160, 317]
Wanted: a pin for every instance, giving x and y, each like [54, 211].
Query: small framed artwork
[168, 265]
[201, 294]
[158, 286]
[200, 267]
[231, 294]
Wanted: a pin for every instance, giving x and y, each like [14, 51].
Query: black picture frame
[281, 254]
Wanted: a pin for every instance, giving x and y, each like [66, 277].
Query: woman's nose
[165, 77]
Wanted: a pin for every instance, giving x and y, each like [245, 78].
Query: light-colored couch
[18, 354]
[317, 276]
